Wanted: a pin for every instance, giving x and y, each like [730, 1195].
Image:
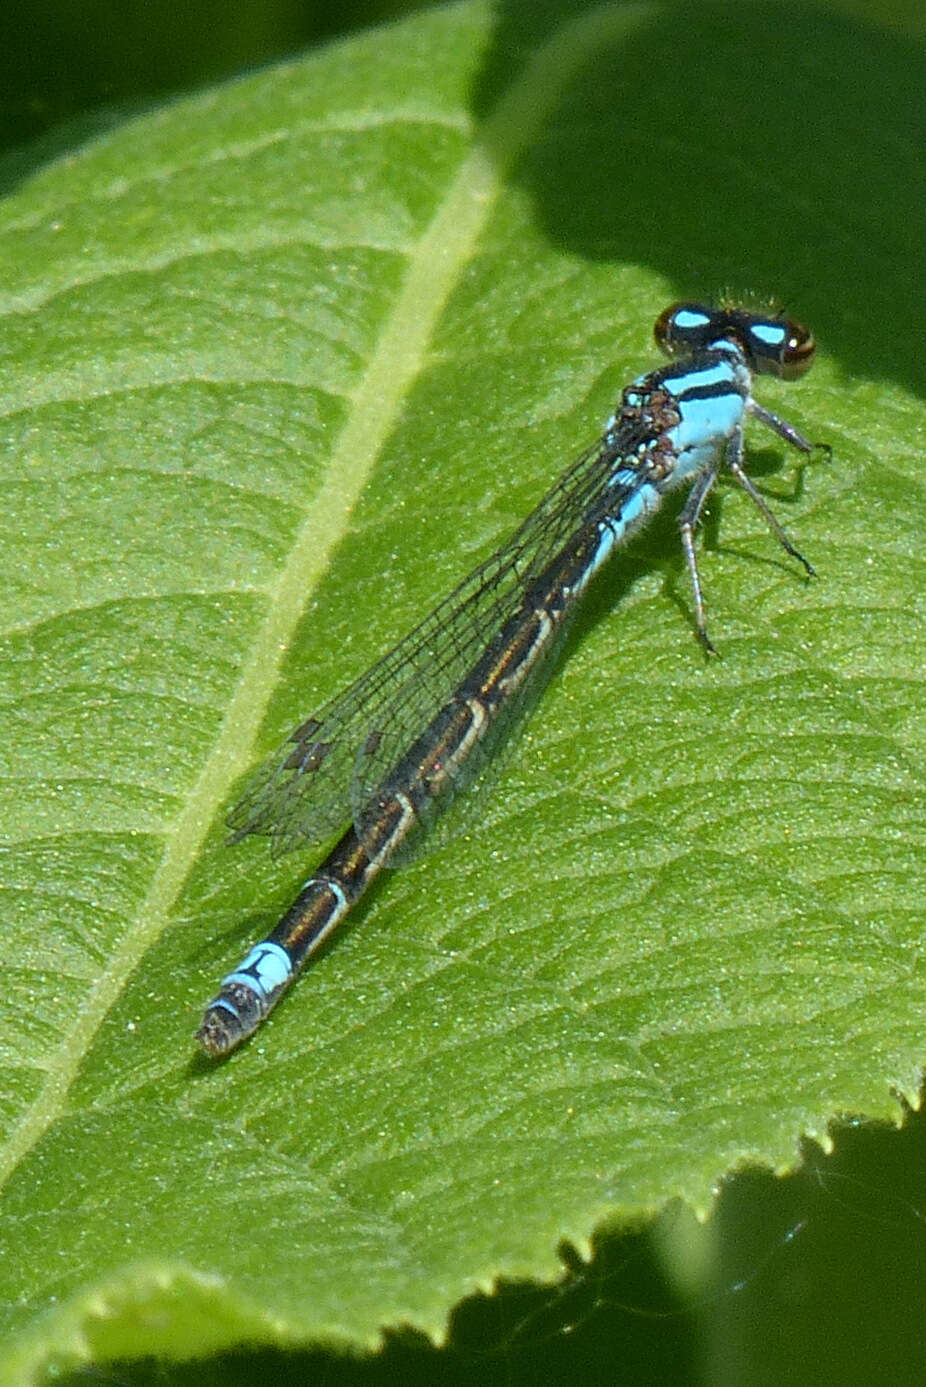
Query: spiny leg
[783, 428]
[734, 461]
[688, 523]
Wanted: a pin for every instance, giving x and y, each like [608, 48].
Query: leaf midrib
[435, 265]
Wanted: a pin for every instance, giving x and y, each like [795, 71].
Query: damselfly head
[772, 346]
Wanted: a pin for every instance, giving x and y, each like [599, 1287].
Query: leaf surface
[279, 364]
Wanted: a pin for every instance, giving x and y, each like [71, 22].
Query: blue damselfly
[391, 753]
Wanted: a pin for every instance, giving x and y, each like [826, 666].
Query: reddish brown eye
[798, 350]
[663, 327]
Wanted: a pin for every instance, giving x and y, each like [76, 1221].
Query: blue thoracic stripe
[719, 378]
[394, 749]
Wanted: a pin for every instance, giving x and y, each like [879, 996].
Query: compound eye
[663, 329]
[777, 346]
[683, 325]
[797, 350]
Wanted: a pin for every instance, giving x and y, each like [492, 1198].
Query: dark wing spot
[371, 745]
[305, 731]
[307, 757]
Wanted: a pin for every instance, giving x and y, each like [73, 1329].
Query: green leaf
[280, 364]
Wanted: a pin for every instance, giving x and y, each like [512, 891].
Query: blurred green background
[64, 59]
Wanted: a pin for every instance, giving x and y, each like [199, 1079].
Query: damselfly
[392, 751]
